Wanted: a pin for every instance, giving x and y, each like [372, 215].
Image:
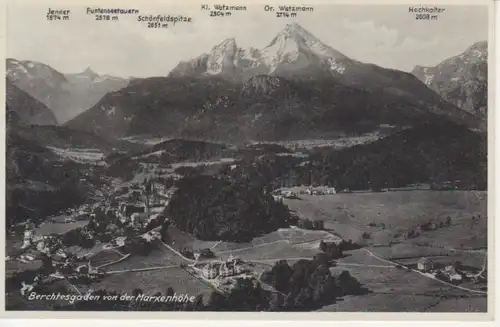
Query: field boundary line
[117, 261]
[176, 252]
[252, 247]
[141, 269]
[115, 250]
[216, 243]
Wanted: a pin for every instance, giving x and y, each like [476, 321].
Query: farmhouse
[425, 265]
[331, 190]
[451, 273]
[117, 242]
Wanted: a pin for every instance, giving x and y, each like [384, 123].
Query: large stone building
[230, 267]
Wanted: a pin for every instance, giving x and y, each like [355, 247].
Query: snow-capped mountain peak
[88, 73]
[222, 57]
[296, 44]
[293, 48]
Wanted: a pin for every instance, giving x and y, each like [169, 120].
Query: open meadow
[380, 221]
[387, 216]
[151, 282]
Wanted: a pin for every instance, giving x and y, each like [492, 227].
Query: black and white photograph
[247, 157]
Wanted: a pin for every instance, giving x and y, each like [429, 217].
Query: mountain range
[67, 95]
[462, 79]
[296, 87]
[293, 50]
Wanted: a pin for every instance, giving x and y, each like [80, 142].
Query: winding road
[392, 264]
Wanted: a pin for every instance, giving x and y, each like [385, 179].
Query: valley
[289, 177]
[389, 230]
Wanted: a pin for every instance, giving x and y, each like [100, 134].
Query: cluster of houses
[454, 273]
[69, 267]
[63, 265]
[138, 208]
[294, 192]
[137, 205]
[65, 269]
[45, 244]
[79, 214]
[221, 269]
[321, 191]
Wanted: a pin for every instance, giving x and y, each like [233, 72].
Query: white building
[28, 238]
[210, 271]
[452, 274]
[26, 288]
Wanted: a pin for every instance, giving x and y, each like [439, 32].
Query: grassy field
[281, 244]
[103, 257]
[405, 303]
[13, 266]
[396, 290]
[159, 257]
[180, 240]
[58, 227]
[151, 282]
[386, 217]
[278, 251]
[350, 215]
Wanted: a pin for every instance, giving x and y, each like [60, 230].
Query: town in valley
[284, 177]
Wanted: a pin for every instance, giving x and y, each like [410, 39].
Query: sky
[388, 36]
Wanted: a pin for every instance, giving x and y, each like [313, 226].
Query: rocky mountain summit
[462, 79]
